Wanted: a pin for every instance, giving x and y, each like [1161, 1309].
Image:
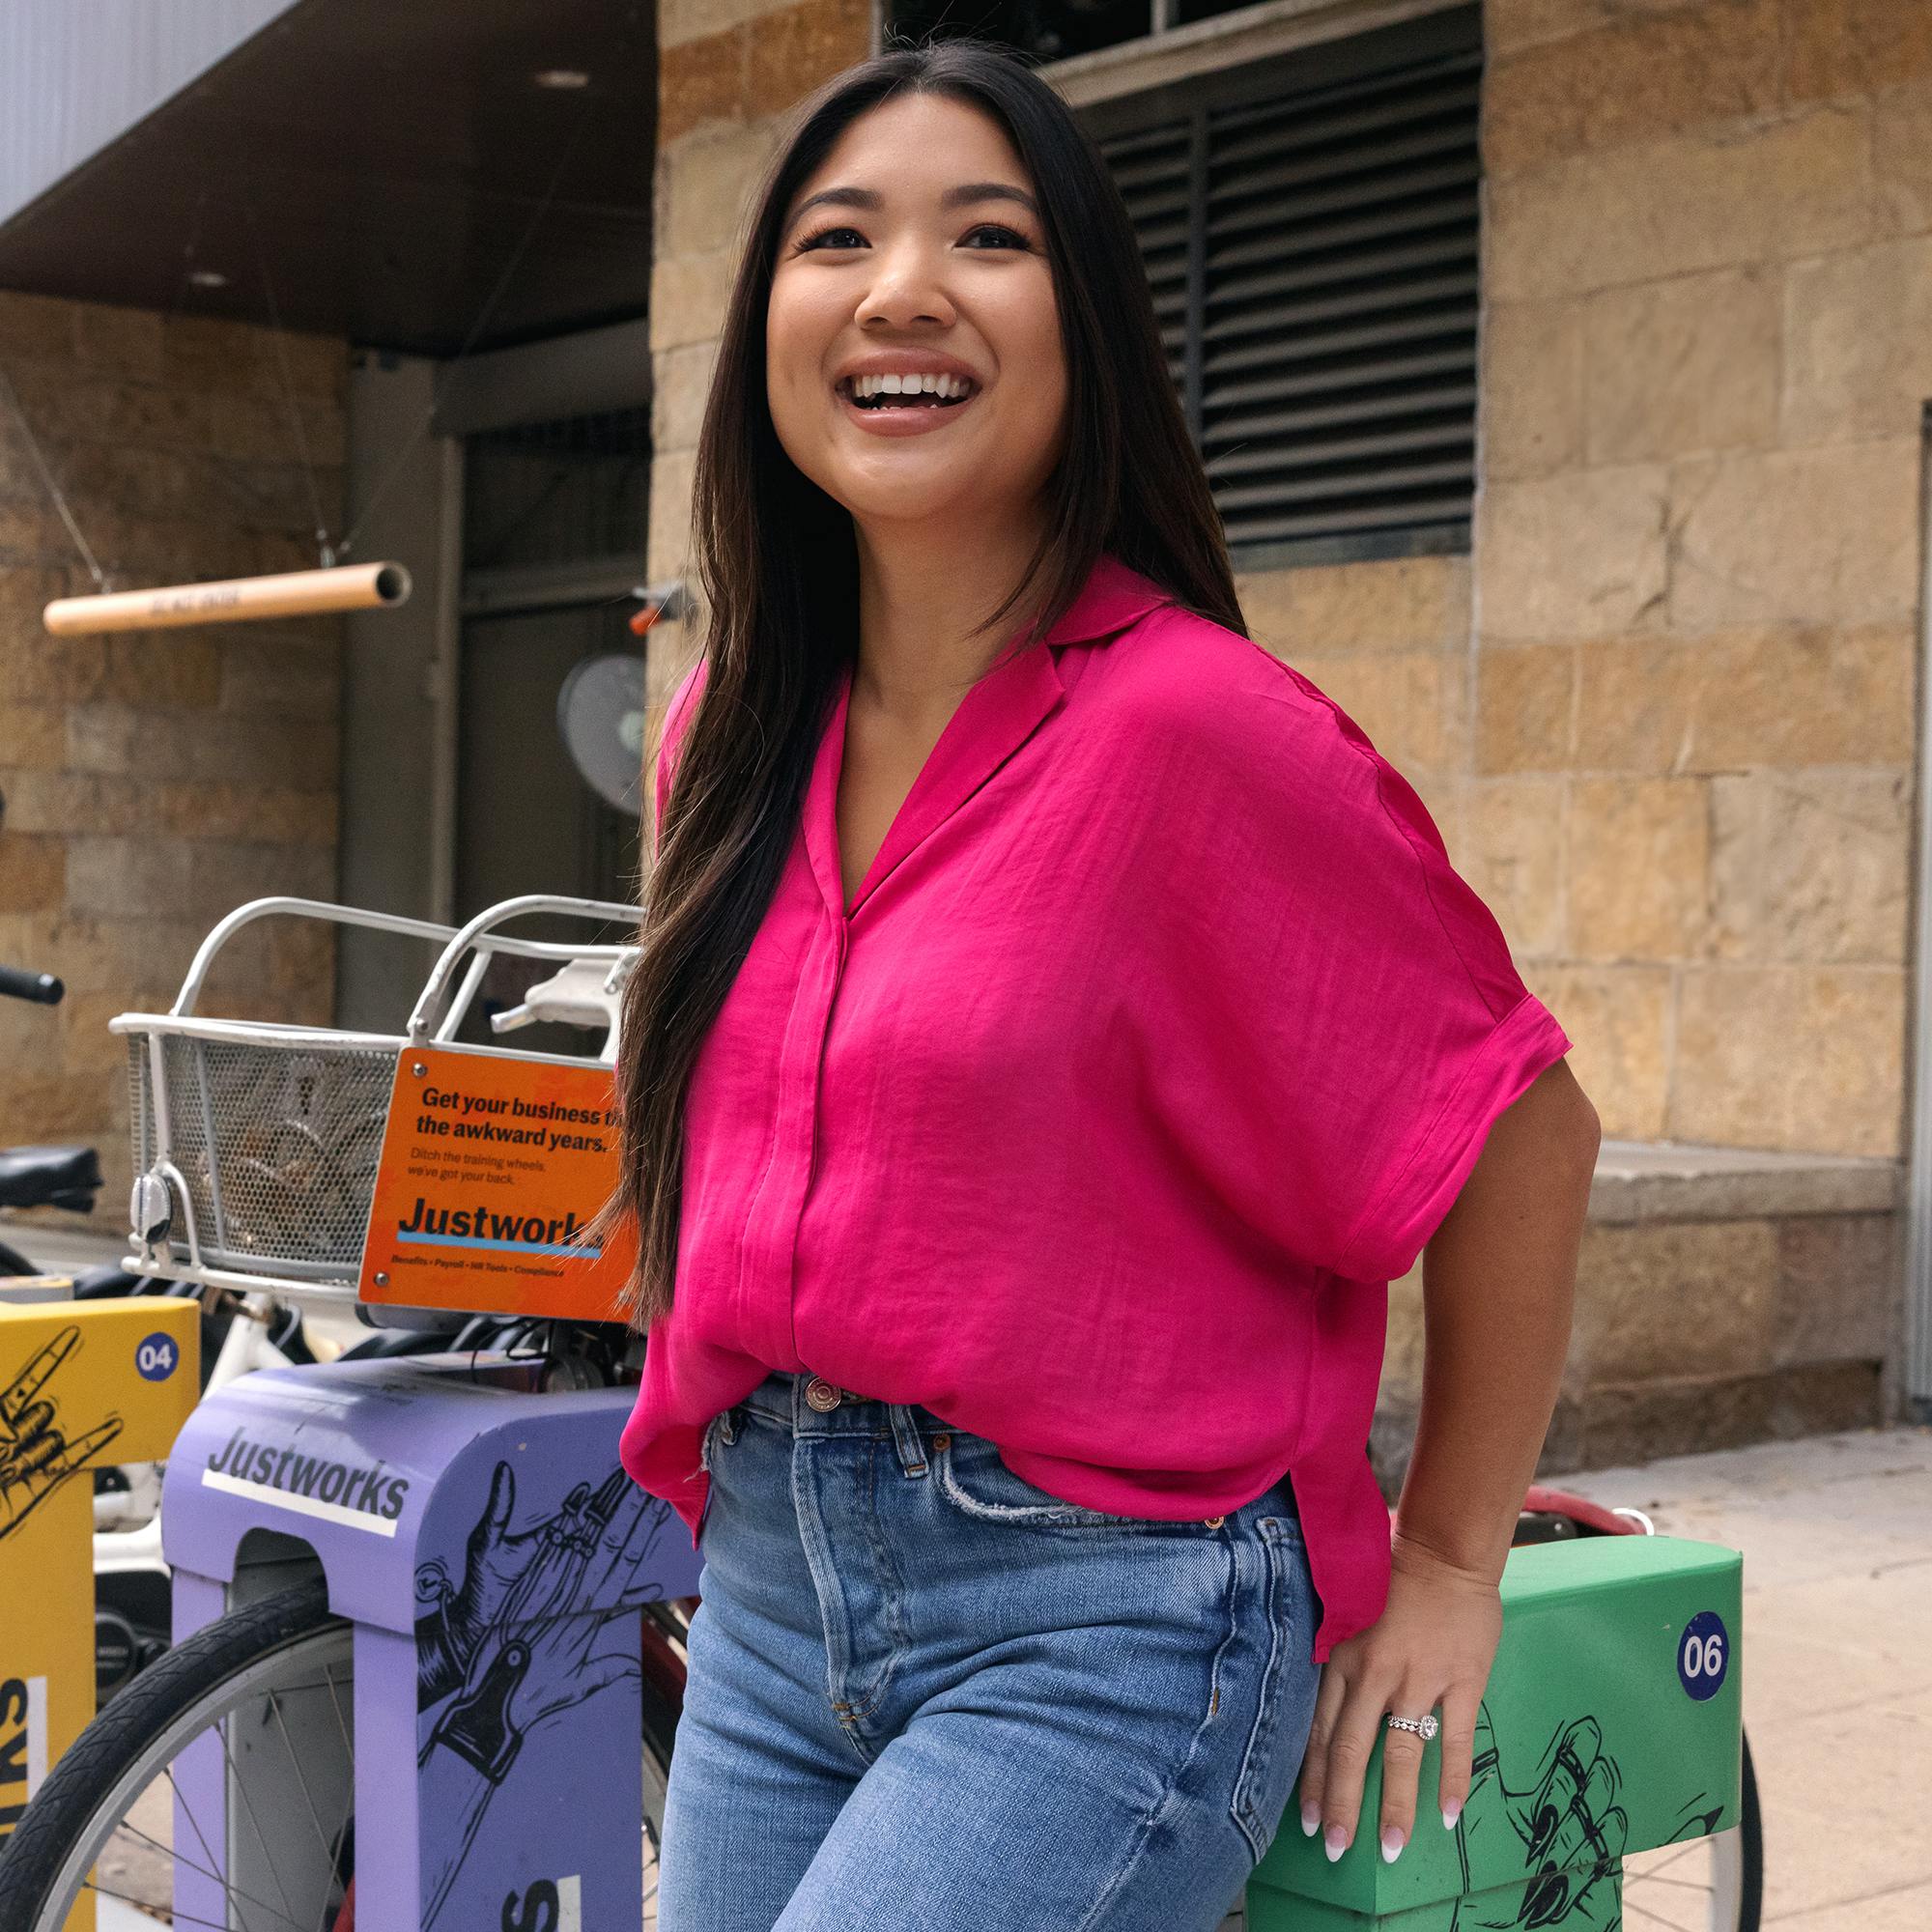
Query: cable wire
[476, 328]
[54, 488]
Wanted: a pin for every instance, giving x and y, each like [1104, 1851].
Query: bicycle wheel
[256, 1680]
[1707, 1885]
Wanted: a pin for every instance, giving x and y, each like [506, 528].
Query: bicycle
[67, 1176]
[223, 1786]
[239, 1332]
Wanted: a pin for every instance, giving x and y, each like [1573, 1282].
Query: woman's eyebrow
[872, 201]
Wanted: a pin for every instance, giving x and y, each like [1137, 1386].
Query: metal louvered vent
[1312, 253]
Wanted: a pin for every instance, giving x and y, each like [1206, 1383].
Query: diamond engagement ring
[1423, 1727]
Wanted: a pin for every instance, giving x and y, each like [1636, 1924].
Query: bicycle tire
[65, 1810]
[86, 1794]
[1750, 1842]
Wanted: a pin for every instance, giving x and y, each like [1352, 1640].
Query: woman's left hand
[1432, 1646]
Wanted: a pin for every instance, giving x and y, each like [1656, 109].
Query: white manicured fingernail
[1391, 1845]
[1451, 1812]
[1311, 1820]
[1334, 1842]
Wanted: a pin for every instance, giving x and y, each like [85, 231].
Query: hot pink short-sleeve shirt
[1159, 1037]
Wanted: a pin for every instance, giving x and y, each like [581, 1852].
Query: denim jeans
[923, 1694]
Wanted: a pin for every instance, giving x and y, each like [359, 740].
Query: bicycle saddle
[57, 1177]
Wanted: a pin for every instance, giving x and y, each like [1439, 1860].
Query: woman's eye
[1011, 237]
[1002, 235]
[829, 237]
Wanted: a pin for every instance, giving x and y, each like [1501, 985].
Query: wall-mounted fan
[600, 712]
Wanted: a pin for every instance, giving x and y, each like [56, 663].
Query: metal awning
[424, 178]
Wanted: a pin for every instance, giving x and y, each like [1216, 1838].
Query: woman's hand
[1432, 1645]
[1499, 1280]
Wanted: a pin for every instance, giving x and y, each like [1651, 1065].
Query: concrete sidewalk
[1836, 1652]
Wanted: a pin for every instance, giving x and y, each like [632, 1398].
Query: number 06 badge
[1704, 1656]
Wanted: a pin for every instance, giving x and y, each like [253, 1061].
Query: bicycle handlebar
[43, 988]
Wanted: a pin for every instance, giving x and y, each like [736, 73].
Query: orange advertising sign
[492, 1165]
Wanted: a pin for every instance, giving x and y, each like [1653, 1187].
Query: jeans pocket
[973, 1478]
[1284, 1704]
[707, 1442]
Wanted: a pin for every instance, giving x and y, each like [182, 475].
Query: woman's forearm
[1499, 1281]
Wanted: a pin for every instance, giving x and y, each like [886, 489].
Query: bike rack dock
[1612, 1724]
[494, 1559]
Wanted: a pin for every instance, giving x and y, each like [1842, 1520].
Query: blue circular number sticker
[1704, 1657]
[158, 1356]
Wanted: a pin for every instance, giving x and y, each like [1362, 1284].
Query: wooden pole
[237, 599]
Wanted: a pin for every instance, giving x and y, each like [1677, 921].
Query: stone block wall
[728, 72]
[1708, 280]
[1722, 1298]
[153, 781]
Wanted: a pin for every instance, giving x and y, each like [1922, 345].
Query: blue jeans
[924, 1693]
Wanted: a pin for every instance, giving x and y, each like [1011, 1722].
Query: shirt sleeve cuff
[1396, 1224]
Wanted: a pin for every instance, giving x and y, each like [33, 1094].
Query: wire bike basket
[257, 1145]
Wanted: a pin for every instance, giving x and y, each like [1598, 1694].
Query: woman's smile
[901, 394]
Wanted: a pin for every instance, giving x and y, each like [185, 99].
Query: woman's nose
[906, 287]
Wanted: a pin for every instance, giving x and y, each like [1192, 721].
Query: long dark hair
[778, 565]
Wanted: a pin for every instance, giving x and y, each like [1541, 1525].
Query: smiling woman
[908, 302]
[1053, 1025]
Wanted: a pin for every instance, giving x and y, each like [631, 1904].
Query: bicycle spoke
[1643, 1912]
[236, 1785]
[136, 1840]
[201, 1871]
[122, 1898]
[1681, 1852]
[301, 1778]
[207, 1850]
[348, 1745]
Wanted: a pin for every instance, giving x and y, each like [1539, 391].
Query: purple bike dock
[493, 1560]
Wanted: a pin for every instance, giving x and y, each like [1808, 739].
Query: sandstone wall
[155, 779]
[727, 72]
[1707, 274]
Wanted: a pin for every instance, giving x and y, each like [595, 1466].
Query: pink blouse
[1159, 1037]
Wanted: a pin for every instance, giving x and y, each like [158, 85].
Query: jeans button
[820, 1394]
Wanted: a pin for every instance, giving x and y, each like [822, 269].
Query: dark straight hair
[778, 565]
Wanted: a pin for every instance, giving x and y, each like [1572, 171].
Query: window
[1309, 230]
[1309, 219]
[1052, 29]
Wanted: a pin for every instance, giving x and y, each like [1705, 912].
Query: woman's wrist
[1469, 1550]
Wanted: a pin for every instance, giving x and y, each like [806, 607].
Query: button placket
[772, 1249]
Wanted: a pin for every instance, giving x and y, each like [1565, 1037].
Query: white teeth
[947, 388]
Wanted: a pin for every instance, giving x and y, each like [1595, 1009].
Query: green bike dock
[1612, 1724]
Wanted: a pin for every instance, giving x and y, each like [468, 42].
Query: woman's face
[912, 355]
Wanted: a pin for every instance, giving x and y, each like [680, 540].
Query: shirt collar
[994, 719]
[1114, 596]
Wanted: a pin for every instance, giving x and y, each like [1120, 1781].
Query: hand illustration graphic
[1563, 1833]
[498, 1559]
[494, 1558]
[543, 1653]
[36, 1458]
[547, 1652]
